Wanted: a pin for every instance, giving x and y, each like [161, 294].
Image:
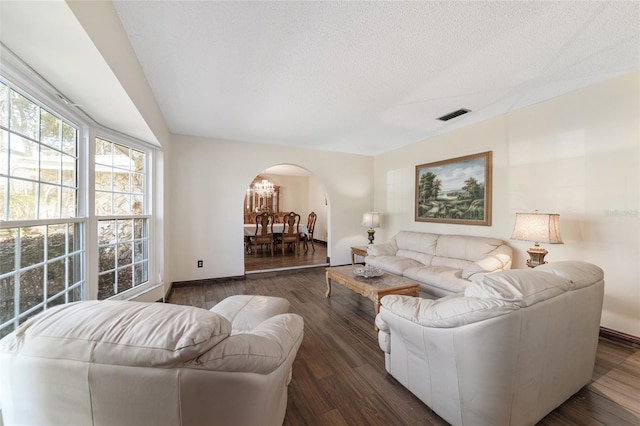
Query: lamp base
[371, 231]
[536, 256]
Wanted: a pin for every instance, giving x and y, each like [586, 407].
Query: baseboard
[206, 281]
[619, 337]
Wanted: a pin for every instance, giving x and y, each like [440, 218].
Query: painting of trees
[455, 191]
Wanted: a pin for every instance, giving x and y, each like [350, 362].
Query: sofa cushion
[450, 311]
[245, 311]
[450, 262]
[122, 333]
[580, 274]
[260, 350]
[522, 286]
[422, 258]
[421, 242]
[496, 260]
[392, 264]
[441, 277]
[466, 247]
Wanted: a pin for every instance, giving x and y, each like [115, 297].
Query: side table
[358, 251]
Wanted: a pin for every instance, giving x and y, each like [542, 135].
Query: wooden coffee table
[372, 288]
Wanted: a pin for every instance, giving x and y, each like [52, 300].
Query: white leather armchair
[128, 363]
[510, 349]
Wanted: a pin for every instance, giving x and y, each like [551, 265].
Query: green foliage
[473, 189]
[429, 187]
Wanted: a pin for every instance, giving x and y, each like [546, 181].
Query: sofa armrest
[384, 334]
[261, 350]
[497, 260]
[384, 249]
[450, 311]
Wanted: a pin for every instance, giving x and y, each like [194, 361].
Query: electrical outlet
[199, 263]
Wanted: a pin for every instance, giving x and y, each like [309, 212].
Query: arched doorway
[281, 189]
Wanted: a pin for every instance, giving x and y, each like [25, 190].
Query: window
[75, 216]
[42, 252]
[41, 267]
[38, 161]
[123, 242]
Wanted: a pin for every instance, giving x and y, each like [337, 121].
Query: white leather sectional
[507, 351]
[129, 363]
[441, 264]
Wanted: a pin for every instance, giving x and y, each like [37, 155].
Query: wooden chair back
[264, 231]
[311, 223]
[291, 232]
[291, 224]
[264, 224]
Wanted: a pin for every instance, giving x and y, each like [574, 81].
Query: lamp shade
[371, 220]
[537, 227]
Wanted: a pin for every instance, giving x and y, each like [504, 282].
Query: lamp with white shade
[371, 220]
[539, 228]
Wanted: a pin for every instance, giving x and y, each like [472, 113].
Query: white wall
[577, 155]
[208, 181]
[318, 204]
[293, 192]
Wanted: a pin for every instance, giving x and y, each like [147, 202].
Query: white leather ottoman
[245, 312]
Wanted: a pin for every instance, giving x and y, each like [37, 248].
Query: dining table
[278, 228]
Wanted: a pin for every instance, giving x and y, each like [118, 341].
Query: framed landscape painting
[456, 191]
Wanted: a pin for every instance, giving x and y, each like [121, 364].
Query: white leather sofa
[510, 349]
[441, 264]
[128, 363]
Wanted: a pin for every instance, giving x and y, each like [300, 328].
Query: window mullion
[88, 204]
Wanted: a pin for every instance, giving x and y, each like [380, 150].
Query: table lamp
[371, 220]
[539, 228]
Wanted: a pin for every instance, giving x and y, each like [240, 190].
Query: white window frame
[147, 214]
[31, 85]
[26, 87]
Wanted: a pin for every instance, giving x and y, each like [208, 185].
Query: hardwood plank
[339, 376]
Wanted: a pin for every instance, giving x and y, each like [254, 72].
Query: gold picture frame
[456, 191]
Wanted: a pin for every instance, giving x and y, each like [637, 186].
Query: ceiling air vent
[454, 114]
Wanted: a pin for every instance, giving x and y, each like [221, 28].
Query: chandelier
[264, 188]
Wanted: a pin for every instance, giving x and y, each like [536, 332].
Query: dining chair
[311, 224]
[291, 232]
[264, 231]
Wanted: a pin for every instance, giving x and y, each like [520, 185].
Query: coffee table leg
[328, 293]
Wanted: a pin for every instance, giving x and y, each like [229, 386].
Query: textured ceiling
[361, 77]
[368, 77]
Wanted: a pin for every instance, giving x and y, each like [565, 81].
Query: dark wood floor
[339, 376]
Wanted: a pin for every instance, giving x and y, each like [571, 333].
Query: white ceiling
[48, 37]
[360, 77]
[368, 77]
